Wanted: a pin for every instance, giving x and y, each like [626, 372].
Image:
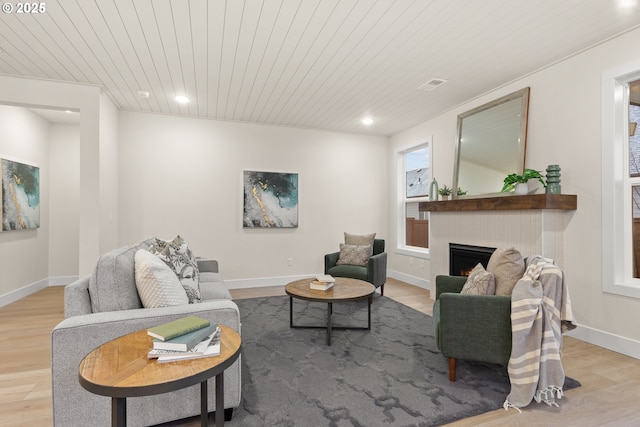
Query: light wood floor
[609, 395]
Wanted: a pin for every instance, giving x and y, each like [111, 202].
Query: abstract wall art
[20, 196]
[270, 200]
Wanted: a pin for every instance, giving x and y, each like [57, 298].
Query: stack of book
[190, 337]
[322, 282]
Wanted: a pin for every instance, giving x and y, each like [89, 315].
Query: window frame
[617, 244]
[401, 198]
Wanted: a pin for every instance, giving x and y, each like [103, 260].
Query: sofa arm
[377, 269]
[73, 338]
[207, 265]
[77, 300]
[475, 327]
[449, 284]
[330, 261]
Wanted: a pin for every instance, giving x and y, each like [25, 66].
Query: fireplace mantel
[535, 201]
[533, 224]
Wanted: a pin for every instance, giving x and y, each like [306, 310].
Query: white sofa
[104, 306]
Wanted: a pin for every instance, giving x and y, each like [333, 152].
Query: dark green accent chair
[375, 272]
[471, 327]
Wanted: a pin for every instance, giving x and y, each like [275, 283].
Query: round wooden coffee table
[120, 369]
[344, 289]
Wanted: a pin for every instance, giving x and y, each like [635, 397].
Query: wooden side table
[120, 369]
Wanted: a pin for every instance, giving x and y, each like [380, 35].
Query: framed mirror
[491, 143]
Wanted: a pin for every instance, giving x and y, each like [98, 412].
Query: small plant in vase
[518, 182]
[445, 192]
[461, 192]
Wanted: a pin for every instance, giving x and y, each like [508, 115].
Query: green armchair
[471, 327]
[375, 271]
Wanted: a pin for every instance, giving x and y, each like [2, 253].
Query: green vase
[553, 180]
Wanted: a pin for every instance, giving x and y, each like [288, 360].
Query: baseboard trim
[412, 280]
[607, 340]
[22, 292]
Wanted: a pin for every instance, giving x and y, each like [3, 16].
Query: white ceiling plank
[318, 64]
[235, 13]
[27, 30]
[103, 39]
[287, 11]
[259, 47]
[184, 44]
[294, 30]
[162, 87]
[216, 14]
[121, 18]
[81, 33]
[198, 18]
[252, 15]
[168, 49]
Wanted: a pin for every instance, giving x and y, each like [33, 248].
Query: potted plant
[445, 192]
[518, 182]
[461, 192]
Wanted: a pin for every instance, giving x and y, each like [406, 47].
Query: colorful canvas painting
[270, 200]
[20, 196]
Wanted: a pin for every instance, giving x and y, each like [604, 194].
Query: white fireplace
[533, 231]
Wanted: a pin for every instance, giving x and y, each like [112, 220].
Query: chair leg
[452, 369]
[382, 290]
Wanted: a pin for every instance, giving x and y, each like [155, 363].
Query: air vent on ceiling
[431, 84]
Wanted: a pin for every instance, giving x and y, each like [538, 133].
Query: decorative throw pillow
[507, 265]
[354, 255]
[356, 240]
[157, 284]
[178, 256]
[479, 282]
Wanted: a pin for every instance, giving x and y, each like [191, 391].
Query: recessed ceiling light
[142, 93]
[68, 111]
[367, 121]
[182, 99]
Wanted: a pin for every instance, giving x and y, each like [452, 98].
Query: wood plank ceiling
[321, 64]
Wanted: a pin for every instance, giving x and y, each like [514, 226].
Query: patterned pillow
[354, 255]
[354, 239]
[479, 282]
[157, 284]
[507, 265]
[178, 256]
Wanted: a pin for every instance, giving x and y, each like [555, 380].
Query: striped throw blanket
[540, 314]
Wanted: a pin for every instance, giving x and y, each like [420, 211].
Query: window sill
[413, 251]
[625, 290]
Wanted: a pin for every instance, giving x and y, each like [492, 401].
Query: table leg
[204, 404]
[329, 313]
[220, 399]
[290, 311]
[369, 323]
[118, 411]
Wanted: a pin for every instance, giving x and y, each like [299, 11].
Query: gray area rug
[393, 375]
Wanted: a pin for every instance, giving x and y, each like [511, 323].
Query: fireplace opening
[463, 258]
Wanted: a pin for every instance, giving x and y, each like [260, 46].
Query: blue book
[184, 342]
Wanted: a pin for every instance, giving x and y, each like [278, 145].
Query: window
[621, 180]
[414, 179]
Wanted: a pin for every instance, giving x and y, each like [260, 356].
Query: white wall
[184, 176]
[24, 137]
[109, 187]
[64, 194]
[564, 129]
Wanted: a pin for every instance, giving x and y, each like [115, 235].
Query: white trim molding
[607, 340]
[617, 267]
[22, 292]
